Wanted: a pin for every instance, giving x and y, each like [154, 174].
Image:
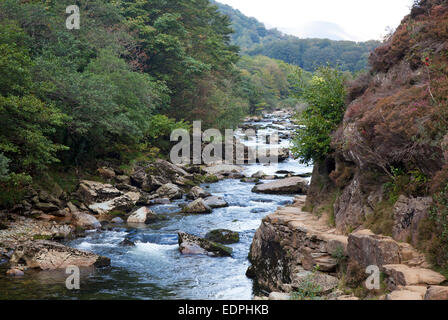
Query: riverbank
[156, 195]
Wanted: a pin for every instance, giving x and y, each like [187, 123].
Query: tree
[325, 96]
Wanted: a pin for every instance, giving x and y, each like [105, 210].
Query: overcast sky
[357, 20]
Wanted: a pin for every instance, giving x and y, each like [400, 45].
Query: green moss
[42, 237]
[223, 236]
[381, 221]
[210, 178]
[117, 213]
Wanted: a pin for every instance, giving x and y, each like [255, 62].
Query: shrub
[325, 96]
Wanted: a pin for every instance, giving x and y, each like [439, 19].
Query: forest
[116, 87]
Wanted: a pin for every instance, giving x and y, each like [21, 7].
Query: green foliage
[309, 289]
[4, 167]
[433, 233]
[325, 96]
[268, 84]
[187, 45]
[411, 183]
[26, 122]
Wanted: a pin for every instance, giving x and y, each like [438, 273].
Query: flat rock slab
[406, 276]
[48, 255]
[279, 296]
[404, 295]
[223, 169]
[294, 185]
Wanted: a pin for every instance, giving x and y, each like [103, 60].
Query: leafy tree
[26, 122]
[4, 169]
[325, 96]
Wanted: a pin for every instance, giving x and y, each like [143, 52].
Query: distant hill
[255, 39]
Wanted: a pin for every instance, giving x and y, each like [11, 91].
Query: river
[154, 268]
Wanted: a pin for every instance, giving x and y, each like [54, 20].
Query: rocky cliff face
[392, 141]
[298, 253]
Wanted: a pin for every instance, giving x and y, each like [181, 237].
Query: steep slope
[390, 165]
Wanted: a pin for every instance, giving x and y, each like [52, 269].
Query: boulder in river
[143, 215]
[197, 192]
[294, 185]
[197, 206]
[82, 219]
[258, 175]
[170, 191]
[190, 244]
[223, 236]
[122, 203]
[127, 243]
[48, 255]
[92, 191]
[215, 202]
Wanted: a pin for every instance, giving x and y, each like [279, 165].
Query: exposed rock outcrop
[288, 242]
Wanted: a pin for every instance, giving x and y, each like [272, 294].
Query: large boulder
[150, 177]
[197, 192]
[197, 206]
[223, 236]
[82, 219]
[91, 191]
[122, 203]
[190, 244]
[367, 249]
[170, 191]
[215, 202]
[47, 255]
[294, 185]
[142, 215]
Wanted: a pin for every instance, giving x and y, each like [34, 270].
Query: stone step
[406, 276]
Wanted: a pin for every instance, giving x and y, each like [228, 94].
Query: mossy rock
[211, 178]
[223, 236]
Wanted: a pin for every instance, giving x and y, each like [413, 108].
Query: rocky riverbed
[146, 235]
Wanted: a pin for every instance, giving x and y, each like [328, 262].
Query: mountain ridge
[254, 38]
